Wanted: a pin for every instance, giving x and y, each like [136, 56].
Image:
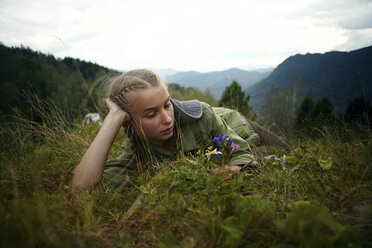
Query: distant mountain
[165, 72]
[341, 76]
[217, 81]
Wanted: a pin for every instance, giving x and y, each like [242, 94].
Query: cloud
[362, 21]
[351, 20]
[356, 39]
[185, 35]
[346, 14]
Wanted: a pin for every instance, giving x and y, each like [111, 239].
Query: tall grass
[316, 195]
[38, 206]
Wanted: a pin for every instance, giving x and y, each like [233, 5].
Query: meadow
[319, 194]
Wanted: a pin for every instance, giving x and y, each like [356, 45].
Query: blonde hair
[118, 92]
[132, 80]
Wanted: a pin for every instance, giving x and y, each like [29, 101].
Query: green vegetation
[359, 112]
[69, 83]
[234, 97]
[311, 113]
[216, 81]
[317, 195]
[340, 76]
[290, 113]
[278, 108]
[181, 93]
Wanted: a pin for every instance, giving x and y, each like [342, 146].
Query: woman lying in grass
[159, 128]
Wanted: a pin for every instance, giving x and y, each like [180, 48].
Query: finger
[109, 103]
[112, 105]
[235, 168]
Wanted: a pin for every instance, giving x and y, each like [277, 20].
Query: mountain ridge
[341, 76]
[216, 81]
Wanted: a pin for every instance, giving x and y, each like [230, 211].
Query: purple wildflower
[235, 146]
[222, 140]
[229, 141]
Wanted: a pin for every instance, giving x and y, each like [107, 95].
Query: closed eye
[167, 106]
[150, 115]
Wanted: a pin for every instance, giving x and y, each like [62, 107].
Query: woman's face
[152, 114]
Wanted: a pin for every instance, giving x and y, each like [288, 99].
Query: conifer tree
[304, 112]
[234, 97]
[359, 111]
[312, 114]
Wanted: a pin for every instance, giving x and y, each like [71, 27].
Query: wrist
[119, 117]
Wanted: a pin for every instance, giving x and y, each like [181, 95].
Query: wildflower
[214, 152]
[210, 147]
[198, 152]
[229, 141]
[235, 146]
[222, 140]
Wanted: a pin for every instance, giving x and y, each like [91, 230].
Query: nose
[166, 117]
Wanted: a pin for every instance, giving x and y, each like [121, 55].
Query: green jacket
[198, 124]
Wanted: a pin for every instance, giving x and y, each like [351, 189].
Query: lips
[168, 130]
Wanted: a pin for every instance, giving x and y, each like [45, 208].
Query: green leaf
[125, 239]
[310, 225]
[234, 232]
[326, 164]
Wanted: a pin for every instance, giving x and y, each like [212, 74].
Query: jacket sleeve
[120, 171]
[218, 125]
[239, 124]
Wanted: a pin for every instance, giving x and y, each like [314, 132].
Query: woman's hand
[229, 170]
[115, 110]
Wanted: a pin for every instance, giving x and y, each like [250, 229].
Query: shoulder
[222, 111]
[230, 115]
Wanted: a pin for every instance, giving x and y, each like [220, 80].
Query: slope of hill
[341, 76]
[294, 199]
[217, 81]
[67, 82]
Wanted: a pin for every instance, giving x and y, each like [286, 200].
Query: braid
[122, 85]
[130, 81]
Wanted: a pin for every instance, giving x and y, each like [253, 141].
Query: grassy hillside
[317, 195]
[69, 83]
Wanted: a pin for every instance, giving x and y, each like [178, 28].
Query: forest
[69, 83]
[317, 194]
[340, 76]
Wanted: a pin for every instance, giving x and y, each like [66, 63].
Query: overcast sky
[202, 35]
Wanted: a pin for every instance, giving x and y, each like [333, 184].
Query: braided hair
[132, 80]
[122, 85]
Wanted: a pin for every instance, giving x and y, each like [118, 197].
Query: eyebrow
[155, 108]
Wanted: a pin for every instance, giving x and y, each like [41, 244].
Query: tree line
[72, 85]
[68, 83]
[292, 112]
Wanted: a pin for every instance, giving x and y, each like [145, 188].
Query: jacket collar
[187, 111]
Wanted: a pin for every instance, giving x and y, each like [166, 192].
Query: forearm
[90, 169]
